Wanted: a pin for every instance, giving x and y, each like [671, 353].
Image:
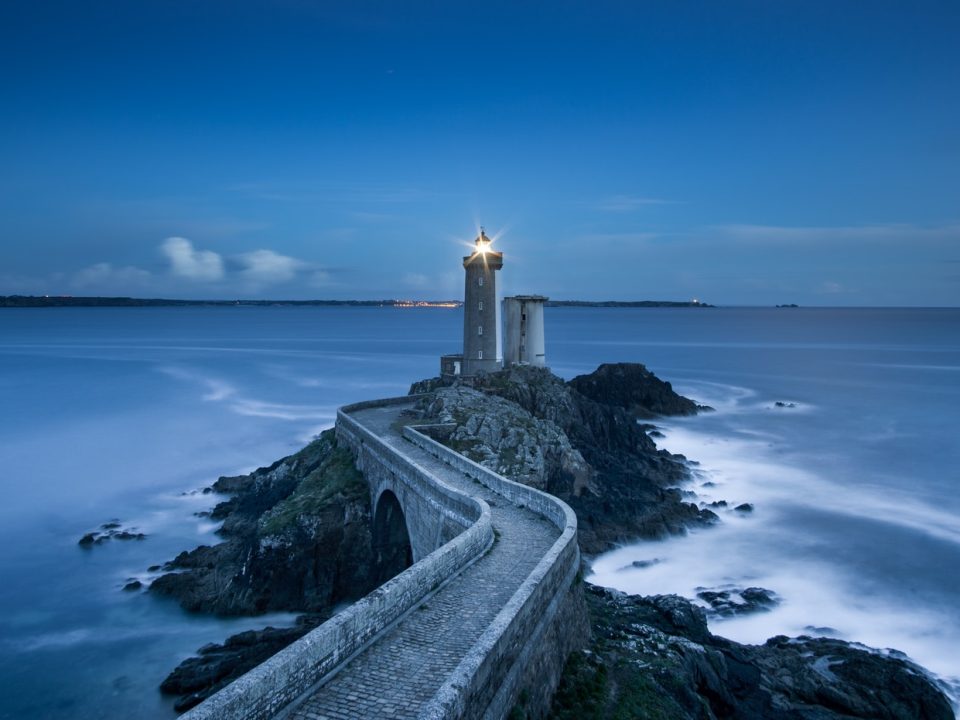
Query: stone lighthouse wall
[481, 314]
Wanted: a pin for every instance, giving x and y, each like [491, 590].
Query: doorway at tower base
[451, 365]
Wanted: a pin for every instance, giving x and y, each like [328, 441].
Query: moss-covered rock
[296, 538]
[653, 658]
[334, 480]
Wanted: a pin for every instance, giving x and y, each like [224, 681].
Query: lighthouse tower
[481, 311]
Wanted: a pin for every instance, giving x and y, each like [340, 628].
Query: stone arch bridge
[483, 617]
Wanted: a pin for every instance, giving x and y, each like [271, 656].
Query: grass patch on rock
[335, 477]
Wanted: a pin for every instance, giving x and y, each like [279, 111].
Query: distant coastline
[34, 301]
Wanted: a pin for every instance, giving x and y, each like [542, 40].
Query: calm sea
[124, 413]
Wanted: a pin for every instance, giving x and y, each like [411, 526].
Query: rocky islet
[297, 538]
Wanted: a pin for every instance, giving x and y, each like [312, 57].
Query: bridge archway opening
[392, 552]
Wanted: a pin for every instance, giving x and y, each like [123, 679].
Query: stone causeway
[466, 630]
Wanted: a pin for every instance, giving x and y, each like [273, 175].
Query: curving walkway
[401, 672]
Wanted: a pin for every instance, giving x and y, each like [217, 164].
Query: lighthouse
[482, 348]
[481, 311]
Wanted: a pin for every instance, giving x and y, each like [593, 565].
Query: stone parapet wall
[527, 633]
[435, 512]
[547, 506]
[519, 655]
[296, 670]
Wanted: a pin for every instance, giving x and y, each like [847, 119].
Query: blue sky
[737, 152]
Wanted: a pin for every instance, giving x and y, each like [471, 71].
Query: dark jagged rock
[729, 602]
[127, 535]
[633, 387]
[537, 429]
[821, 630]
[645, 563]
[297, 538]
[653, 657]
[111, 530]
[781, 404]
[744, 508]
[132, 585]
[215, 666]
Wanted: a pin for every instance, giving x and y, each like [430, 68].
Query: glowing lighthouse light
[483, 242]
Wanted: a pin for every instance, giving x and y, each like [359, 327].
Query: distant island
[627, 303]
[72, 301]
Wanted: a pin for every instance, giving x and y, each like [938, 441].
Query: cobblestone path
[408, 663]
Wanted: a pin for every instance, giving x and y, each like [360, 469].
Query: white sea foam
[205, 527]
[56, 641]
[282, 411]
[745, 459]
[104, 635]
[216, 388]
[735, 399]
[311, 433]
[909, 366]
[324, 381]
[749, 470]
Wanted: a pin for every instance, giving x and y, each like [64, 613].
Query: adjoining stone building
[523, 333]
[523, 330]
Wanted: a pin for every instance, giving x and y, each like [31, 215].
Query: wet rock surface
[636, 389]
[111, 530]
[653, 657]
[216, 665]
[533, 427]
[728, 602]
[296, 538]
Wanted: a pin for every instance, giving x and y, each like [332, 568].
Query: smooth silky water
[127, 413]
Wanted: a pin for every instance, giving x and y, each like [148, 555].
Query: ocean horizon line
[60, 301]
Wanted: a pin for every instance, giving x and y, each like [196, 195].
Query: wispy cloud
[266, 267]
[416, 280]
[629, 203]
[253, 270]
[373, 194]
[786, 234]
[106, 275]
[622, 239]
[320, 279]
[832, 287]
[188, 262]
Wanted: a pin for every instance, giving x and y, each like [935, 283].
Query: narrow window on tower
[479, 354]
[480, 305]
[480, 281]
[479, 329]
